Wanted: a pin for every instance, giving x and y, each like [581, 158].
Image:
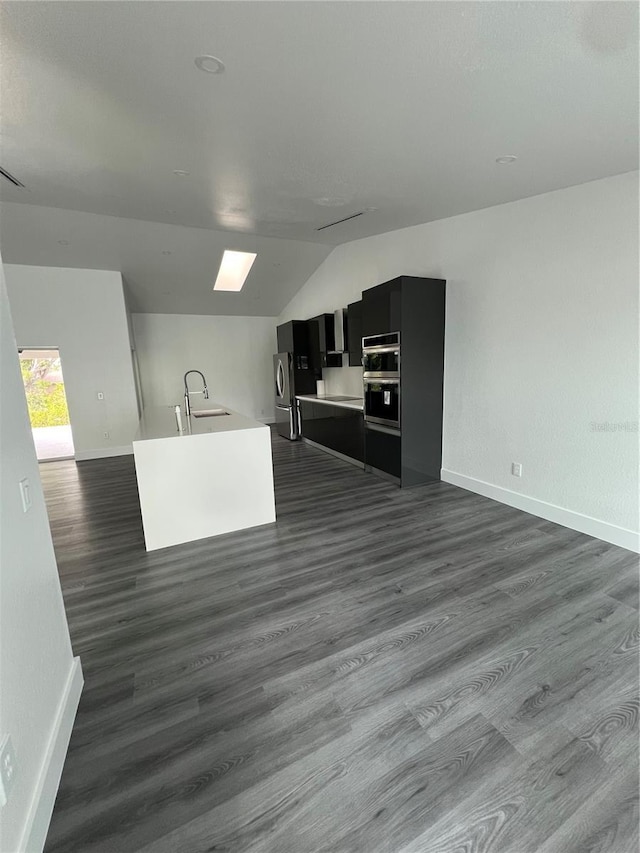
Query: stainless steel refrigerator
[292, 375]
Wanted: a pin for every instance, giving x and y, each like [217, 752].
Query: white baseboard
[39, 817]
[103, 452]
[567, 518]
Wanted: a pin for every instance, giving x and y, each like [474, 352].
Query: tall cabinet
[414, 307]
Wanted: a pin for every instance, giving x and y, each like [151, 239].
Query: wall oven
[382, 402]
[381, 376]
[381, 356]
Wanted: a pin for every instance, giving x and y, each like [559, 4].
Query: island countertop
[336, 400]
[160, 422]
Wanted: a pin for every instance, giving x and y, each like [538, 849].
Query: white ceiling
[325, 109]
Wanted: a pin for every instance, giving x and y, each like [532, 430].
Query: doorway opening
[47, 403]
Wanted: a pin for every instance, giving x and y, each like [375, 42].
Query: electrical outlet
[100, 395]
[7, 769]
[105, 434]
[516, 469]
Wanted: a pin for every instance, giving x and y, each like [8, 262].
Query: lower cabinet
[343, 430]
[383, 451]
[333, 427]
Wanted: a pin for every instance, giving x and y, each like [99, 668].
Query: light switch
[25, 494]
[100, 395]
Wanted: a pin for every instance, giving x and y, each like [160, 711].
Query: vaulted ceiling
[396, 110]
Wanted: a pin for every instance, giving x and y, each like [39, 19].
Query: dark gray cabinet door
[294, 337]
[334, 427]
[383, 451]
[375, 312]
[322, 338]
[326, 332]
[284, 334]
[381, 308]
[354, 333]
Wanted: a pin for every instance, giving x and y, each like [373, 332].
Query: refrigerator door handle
[280, 379]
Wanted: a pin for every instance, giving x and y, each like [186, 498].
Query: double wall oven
[381, 376]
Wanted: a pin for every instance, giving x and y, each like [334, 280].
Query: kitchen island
[214, 477]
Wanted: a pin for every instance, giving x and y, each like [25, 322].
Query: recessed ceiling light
[506, 159]
[63, 242]
[234, 270]
[210, 64]
[181, 173]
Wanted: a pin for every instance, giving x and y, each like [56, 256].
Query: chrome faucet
[204, 392]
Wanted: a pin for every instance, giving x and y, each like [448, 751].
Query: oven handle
[374, 381]
[392, 340]
[395, 348]
[380, 428]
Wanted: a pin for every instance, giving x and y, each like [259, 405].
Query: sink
[208, 413]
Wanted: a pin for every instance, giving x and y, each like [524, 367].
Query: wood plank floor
[382, 671]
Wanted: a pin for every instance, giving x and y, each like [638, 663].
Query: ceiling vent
[9, 177]
[338, 221]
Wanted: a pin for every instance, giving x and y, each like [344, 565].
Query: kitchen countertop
[356, 403]
[160, 422]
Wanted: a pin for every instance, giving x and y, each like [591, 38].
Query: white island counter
[214, 477]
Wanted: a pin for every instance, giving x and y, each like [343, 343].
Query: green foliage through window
[46, 399]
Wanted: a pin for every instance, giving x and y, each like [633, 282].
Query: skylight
[234, 270]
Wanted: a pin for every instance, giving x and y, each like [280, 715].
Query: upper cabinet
[323, 341]
[326, 332]
[354, 333]
[381, 308]
[294, 337]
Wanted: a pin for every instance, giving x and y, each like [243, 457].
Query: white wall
[40, 680]
[83, 313]
[541, 343]
[234, 353]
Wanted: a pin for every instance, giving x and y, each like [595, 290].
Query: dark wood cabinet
[354, 333]
[334, 427]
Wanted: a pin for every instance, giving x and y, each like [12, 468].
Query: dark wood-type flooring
[382, 671]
